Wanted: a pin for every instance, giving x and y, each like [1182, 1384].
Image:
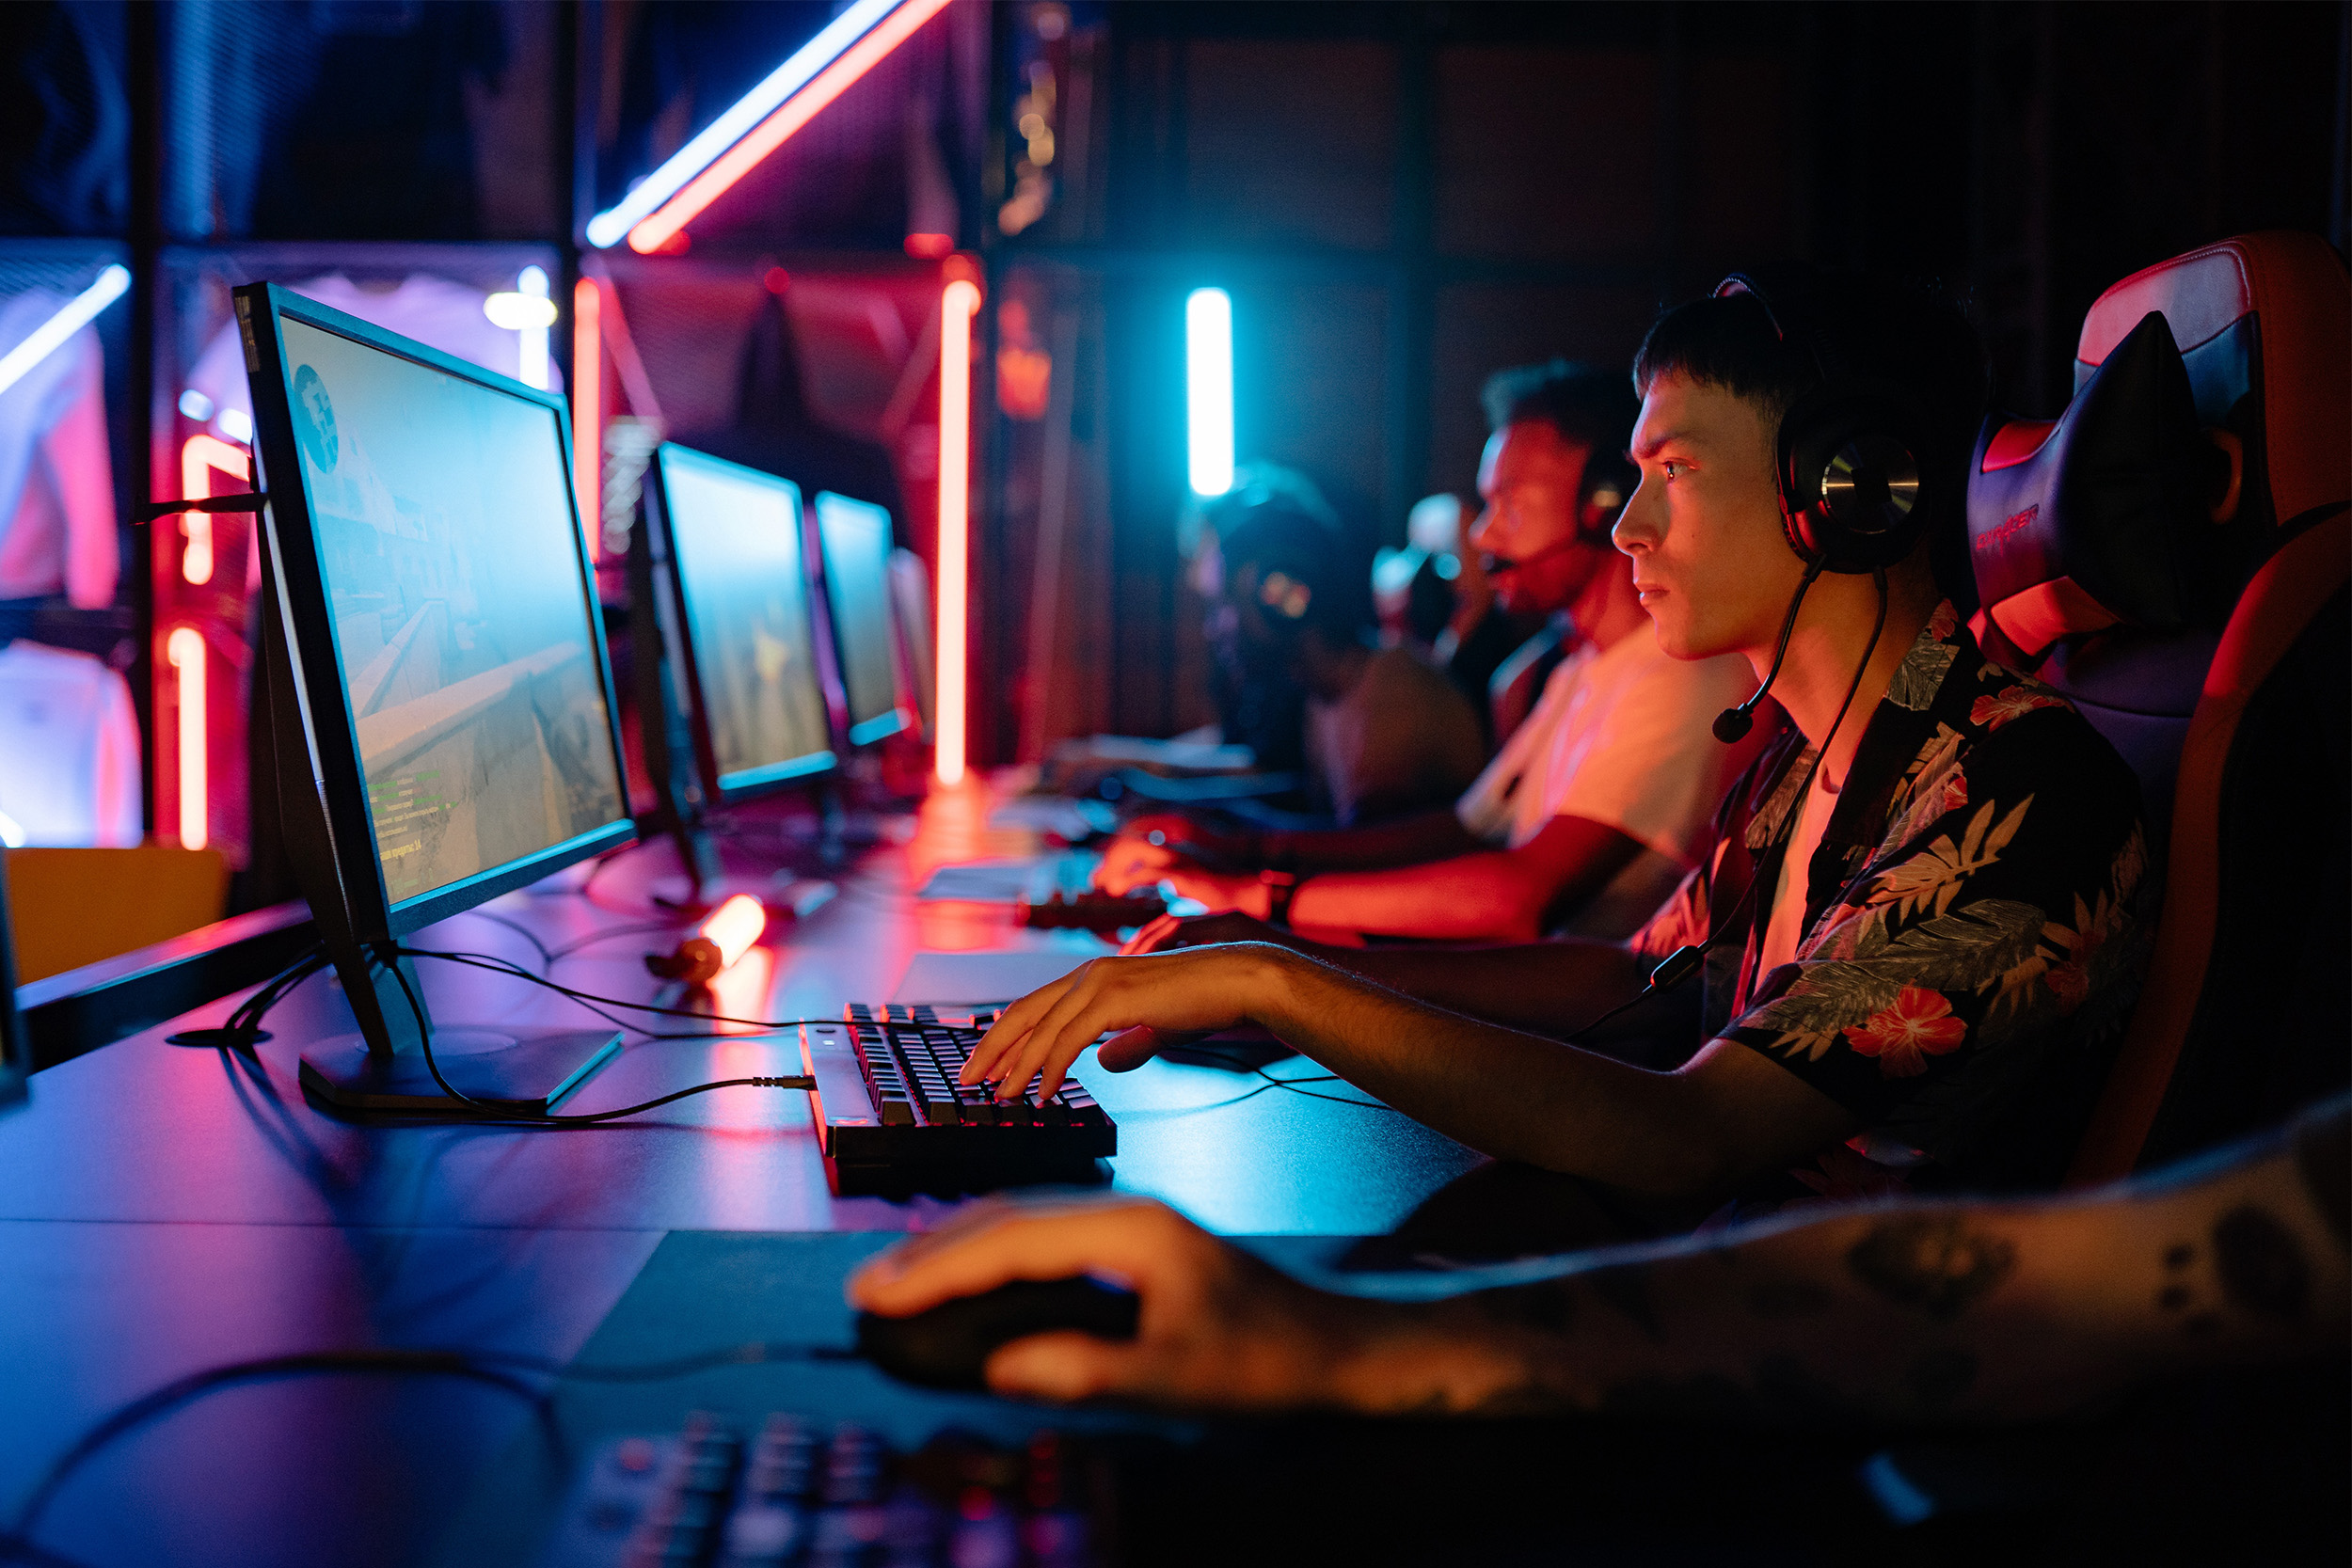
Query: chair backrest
[2231, 702]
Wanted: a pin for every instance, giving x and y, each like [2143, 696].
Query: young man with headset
[1922, 920]
[1591, 812]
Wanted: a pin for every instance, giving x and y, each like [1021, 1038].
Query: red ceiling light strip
[657, 228]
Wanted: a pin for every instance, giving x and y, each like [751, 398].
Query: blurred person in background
[1591, 812]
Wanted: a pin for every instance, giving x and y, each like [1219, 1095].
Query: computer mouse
[947, 1346]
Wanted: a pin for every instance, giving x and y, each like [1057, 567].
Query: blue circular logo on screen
[314, 419]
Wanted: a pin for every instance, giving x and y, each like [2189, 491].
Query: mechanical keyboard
[891, 1115]
[792, 1496]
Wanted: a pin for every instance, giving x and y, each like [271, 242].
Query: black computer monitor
[443, 712]
[733, 705]
[16, 1052]
[854, 539]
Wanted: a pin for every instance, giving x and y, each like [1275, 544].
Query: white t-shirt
[69, 750]
[1622, 736]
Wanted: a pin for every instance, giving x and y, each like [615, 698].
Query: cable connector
[1676, 967]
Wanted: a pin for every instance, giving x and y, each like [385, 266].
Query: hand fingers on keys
[1166, 931]
[1194, 991]
[1012, 1025]
[1128, 865]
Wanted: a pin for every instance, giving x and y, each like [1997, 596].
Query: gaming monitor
[732, 590]
[854, 537]
[444, 718]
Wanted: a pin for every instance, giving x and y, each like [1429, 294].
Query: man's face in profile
[1528, 479]
[1710, 561]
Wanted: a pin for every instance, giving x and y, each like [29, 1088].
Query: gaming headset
[1853, 495]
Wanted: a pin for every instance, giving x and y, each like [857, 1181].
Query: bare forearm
[1920, 1314]
[1567, 1110]
[1490, 897]
[1550, 987]
[1432, 835]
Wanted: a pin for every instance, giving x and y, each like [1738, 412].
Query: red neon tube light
[957, 303]
[657, 227]
[588, 410]
[198, 459]
[185, 649]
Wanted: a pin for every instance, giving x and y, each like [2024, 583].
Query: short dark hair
[1275, 533]
[1584, 404]
[1905, 335]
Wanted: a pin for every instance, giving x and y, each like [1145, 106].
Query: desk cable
[500, 1369]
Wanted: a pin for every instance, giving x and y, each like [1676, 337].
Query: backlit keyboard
[890, 1111]
[792, 1495]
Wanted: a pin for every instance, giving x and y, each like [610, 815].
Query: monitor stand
[382, 1068]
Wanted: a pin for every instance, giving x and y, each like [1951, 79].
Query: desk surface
[164, 1209]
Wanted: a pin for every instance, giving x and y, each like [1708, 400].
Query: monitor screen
[855, 536]
[735, 547]
[463, 620]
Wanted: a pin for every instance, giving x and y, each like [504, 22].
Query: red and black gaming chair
[2172, 554]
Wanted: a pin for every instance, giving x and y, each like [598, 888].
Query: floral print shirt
[1976, 922]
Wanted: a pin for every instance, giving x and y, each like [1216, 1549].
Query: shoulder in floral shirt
[1976, 920]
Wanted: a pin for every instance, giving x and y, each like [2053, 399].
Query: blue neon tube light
[1209, 389]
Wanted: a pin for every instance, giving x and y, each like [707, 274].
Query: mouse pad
[709, 1291]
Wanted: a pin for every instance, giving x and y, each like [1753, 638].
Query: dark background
[1400, 196]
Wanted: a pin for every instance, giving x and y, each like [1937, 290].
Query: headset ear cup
[1850, 482]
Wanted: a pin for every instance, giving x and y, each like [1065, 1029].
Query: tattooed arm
[1953, 1312]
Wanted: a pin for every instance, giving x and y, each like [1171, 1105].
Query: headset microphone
[1733, 724]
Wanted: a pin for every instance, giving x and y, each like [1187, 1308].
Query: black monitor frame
[882, 725]
[322, 778]
[673, 603]
[331, 731]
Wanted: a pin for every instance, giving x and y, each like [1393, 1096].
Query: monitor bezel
[882, 725]
[310, 623]
[678, 623]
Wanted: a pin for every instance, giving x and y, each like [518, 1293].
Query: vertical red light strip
[198, 459]
[184, 649]
[588, 410]
[957, 303]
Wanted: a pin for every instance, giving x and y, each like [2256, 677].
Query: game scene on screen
[446, 539]
[856, 538]
[736, 538]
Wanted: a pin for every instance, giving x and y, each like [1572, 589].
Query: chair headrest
[2265, 325]
[2104, 516]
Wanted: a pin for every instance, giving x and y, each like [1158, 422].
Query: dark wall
[1402, 197]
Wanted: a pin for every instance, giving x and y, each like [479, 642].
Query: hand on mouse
[1171, 931]
[1152, 1002]
[1217, 1328]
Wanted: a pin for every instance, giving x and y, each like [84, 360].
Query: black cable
[490, 1111]
[499, 1368]
[1684, 960]
[497, 965]
[1292, 1084]
[519, 928]
[647, 929]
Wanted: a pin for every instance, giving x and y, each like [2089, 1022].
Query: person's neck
[1832, 631]
[1608, 609]
[1331, 671]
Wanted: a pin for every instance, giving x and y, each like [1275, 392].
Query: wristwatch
[1282, 887]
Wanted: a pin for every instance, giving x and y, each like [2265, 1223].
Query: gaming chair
[2172, 555]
